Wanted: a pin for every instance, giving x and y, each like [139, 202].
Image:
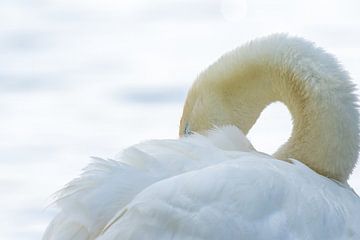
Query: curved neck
[308, 81]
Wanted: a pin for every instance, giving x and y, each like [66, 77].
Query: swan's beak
[187, 130]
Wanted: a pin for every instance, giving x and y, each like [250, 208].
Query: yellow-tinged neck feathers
[310, 82]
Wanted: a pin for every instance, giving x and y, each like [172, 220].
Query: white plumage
[216, 185]
[192, 188]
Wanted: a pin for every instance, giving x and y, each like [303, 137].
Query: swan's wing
[64, 227]
[89, 202]
[256, 199]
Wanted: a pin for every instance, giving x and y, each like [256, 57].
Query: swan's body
[216, 186]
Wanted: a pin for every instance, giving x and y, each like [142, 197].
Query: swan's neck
[308, 81]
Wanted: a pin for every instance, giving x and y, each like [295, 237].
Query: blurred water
[88, 78]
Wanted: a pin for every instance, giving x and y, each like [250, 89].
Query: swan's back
[244, 198]
[194, 188]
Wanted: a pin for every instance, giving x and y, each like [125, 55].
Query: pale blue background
[83, 78]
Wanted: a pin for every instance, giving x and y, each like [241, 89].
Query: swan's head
[203, 110]
[212, 104]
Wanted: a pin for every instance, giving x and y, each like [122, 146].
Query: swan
[211, 183]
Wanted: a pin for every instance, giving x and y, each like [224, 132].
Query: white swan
[215, 185]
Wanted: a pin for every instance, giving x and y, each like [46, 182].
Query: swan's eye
[187, 130]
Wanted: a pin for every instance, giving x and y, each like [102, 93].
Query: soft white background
[82, 78]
